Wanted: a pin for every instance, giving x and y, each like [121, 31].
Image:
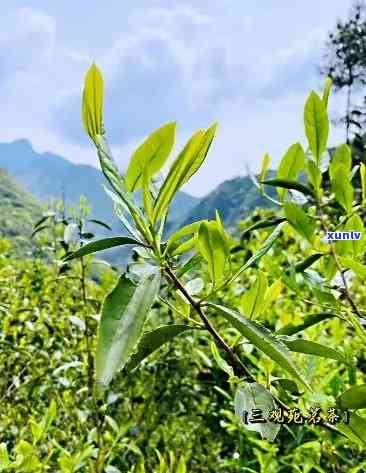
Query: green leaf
[326, 91]
[39, 229]
[259, 253]
[150, 155]
[342, 187]
[316, 125]
[123, 315]
[312, 348]
[264, 169]
[223, 365]
[286, 184]
[297, 217]
[353, 398]
[291, 164]
[99, 222]
[4, 457]
[355, 430]
[41, 221]
[185, 247]
[287, 384]
[103, 244]
[309, 321]
[212, 246]
[341, 157]
[191, 264]
[255, 396]
[225, 237]
[272, 294]
[117, 183]
[314, 175]
[92, 106]
[183, 168]
[270, 222]
[309, 261]
[253, 299]
[120, 209]
[147, 197]
[152, 341]
[363, 180]
[355, 266]
[263, 339]
[181, 467]
[190, 229]
[352, 248]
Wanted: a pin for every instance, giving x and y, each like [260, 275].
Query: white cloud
[33, 21]
[189, 63]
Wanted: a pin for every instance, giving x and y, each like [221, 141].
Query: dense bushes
[200, 331]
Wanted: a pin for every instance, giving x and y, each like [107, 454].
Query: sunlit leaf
[223, 365]
[290, 166]
[183, 168]
[312, 348]
[259, 253]
[341, 157]
[363, 180]
[353, 247]
[355, 430]
[342, 187]
[297, 217]
[314, 175]
[355, 266]
[263, 339]
[253, 299]
[309, 321]
[283, 184]
[353, 398]
[272, 293]
[102, 244]
[316, 125]
[92, 106]
[326, 91]
[264, 169]
[212, 246]
[251, 396]
[150, 155]
[123, 315]
[151, 341]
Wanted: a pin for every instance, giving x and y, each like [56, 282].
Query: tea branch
[235, 361]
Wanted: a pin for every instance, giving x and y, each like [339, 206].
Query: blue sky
[247, 64]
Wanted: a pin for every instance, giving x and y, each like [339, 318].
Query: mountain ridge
[48, 175]
[19, 211]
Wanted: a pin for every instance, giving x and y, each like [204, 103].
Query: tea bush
[200, 329]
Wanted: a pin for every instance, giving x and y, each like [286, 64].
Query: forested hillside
[19, 211]
[50, 176]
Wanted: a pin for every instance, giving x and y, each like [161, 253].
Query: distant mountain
[234, 199]
[47, 175]
[19, 211]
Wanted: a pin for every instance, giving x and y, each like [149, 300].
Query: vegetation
[18, 212]
[158, 369]
[50, 176]
[345, 64]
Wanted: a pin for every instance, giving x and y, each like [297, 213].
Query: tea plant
[206, 246]
[198, 322]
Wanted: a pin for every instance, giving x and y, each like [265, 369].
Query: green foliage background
[266, 322]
